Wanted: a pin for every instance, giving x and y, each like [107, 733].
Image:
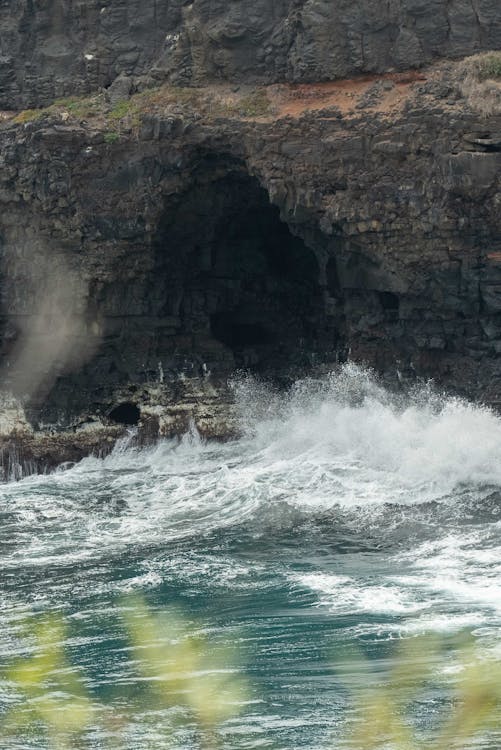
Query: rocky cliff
[55, 48]
[154, 243]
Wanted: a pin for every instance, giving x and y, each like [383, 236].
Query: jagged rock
[280, 231]
[119, 90]
[55, 48]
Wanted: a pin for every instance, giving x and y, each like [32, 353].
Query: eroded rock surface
[355, 220]
[56, 48]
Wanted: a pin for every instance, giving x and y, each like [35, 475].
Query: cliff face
[55, 48]
[154, 243]
[190, 246]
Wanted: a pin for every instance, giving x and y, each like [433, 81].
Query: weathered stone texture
[56, 48]
[277, 246]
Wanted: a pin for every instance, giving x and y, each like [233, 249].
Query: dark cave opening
[125, 413]
[237, 335]
[389, 301]
[222, 283]
[237, 280]
[332, 277]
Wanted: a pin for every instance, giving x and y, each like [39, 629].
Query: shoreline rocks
[246, 233]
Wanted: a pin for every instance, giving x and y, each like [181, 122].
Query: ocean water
[346, 520]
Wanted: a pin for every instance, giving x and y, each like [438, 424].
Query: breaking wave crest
[342, 442]
[365, 514]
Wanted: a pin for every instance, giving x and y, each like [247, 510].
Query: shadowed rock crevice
[231, 275]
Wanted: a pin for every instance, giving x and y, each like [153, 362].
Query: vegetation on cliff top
[126, 115]
[481, 82]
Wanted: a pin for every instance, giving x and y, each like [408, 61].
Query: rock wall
[57, 48]
[195, 246]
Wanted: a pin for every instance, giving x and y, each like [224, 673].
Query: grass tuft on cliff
[81, 108]
[29, 115]
[481, 82]
[125, 116]
[486, 66]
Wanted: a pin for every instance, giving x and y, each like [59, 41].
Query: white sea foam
[347, 596]
[341, 445]
[341, 441]
[344, 513]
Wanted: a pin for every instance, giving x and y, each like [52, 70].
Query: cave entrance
[240, 281]
[125, 413]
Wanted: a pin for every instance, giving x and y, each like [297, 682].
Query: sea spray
[345, 516]
[53, 329]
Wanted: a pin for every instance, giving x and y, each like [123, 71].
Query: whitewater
[346, 516]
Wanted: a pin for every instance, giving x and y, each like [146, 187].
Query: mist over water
[345, 515]
[52, 330]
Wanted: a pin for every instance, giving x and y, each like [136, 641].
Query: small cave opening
[125, 413]
[389, 301]
[235, 275]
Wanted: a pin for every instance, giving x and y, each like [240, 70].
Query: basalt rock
[56, 48]
[194, 246]
[140, 415]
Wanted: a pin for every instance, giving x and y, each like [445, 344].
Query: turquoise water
[345, 517]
